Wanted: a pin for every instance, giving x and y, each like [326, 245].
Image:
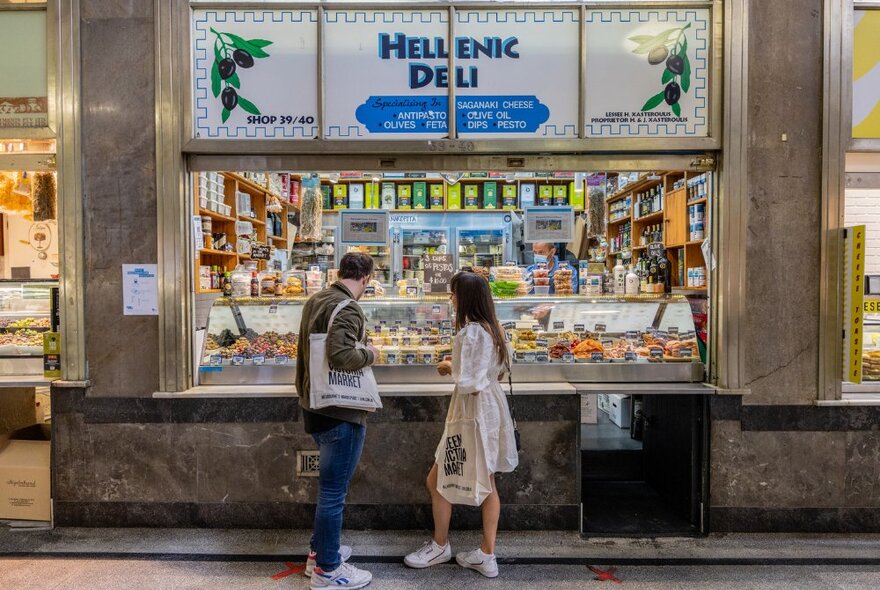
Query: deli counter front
[643, 338]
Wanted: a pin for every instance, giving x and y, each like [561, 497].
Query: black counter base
[283, 515]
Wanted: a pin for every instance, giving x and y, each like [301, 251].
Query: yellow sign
[854, 296]
[866, 73]
[52, 355]
[872, 306]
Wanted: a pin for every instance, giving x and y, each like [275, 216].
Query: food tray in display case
[871, 347]
[253, 341]
[25, 309]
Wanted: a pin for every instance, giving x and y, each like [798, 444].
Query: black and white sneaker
[430, 554]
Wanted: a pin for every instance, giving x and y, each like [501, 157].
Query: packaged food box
[508, 196]
[576, 198]
[404, 196]
[356, 196]
[436, 196]
[371, 196]
[420, 195]
[472, 196]
[490, 195]
[25, 478]
[454, 196]
[560, 195]
[327, 200]
[389, 195]
[545, 195]
[527, 195]
[340, 196]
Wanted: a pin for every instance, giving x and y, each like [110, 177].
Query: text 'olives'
[675, 64]
[226, 68]
[229, 98]
[657, 55]
[243, 58]
[672, 93]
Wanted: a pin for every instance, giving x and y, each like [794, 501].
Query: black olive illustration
[229, 98]
[226, 67]
[657, 55]
[672, 93]
[675, 64]
[243, 58]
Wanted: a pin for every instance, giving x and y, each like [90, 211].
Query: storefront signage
[261, 252]
[549, 224]
[23, 96]
[140, 289]
[853, 302]
[255, 74]
[439, 269]
[647, 72]
[872, 306]
[515, 73]
[403, 219]
[866, 74]
[364, 227]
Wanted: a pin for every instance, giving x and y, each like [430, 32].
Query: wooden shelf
[696, 242]
[278, 239]
[435, 210]
[650, 217]
[214, 215]
[216, 252]
[621, 220]
[698, 201]
[253, 220]
[209, 290]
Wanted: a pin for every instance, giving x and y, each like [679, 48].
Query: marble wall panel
[862, 483]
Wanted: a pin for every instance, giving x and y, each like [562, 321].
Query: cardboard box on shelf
[454, 196]
[508, 196]
[404, 196]
[576, 198]
[545, 195]
[340, 196]
[527, 195]
[490, 195]
[560, 195]
[472, 196]
[436, 196]
[25, 474]
[356, 196]
[420, 195]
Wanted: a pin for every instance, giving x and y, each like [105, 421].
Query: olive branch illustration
[670, 47]
[230, 53]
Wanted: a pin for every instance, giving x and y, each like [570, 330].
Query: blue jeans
[340, 448]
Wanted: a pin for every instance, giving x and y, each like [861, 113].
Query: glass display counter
[25, 309]
[576, 339]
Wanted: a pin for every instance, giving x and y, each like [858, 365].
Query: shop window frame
[63, 125]
[177, 149]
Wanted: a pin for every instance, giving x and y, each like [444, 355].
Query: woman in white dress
[480, 357]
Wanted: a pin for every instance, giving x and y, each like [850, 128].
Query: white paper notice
[140, 289]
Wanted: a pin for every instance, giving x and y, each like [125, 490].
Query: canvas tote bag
[329, 386]
[462, 474]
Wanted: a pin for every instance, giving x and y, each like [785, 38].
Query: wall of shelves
[670, 220]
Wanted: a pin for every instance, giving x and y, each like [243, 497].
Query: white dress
[475, 368]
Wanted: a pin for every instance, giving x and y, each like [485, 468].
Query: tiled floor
[82, 574]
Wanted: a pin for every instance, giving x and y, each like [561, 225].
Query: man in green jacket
[338, 432]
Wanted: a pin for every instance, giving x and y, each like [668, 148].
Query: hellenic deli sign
[387, 73]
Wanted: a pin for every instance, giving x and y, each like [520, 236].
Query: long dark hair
[475, 305]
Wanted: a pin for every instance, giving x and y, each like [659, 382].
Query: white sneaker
[479, 561]
[430, 554]
[311, 562]
[345, 576]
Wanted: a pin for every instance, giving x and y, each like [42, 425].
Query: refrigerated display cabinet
[321, 253]
[414, 243]
[576, 339]
[25, 309]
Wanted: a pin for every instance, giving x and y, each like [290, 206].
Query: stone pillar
[119, 190]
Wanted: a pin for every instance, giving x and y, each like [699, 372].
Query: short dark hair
[355, 265]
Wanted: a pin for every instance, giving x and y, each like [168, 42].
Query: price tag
[542, 357]
[260, 252]
[407, 340]
[509, 325]
[383, 322]
[536, 327]
[438, 269]
[259, 360]
[567, 357]
[413, 324]
[412, 291]
[529, 357]
[435, 309]
[600, 327]
[370, 291]
[656, 353]
[398, 322]
[672, 330]
[541, 343]
[580, 328]
[597, 356]
[559, 325]
[216, 360]
[411, 358]
[394, 329]
[660, 334]
[446, 324]
[237, 360]
[273, 309]
[445, 339]
[426, 340]
[395, 342]
[686, 353]
[630, 356]
[607, 343]
[564, 343]
[632, 335]
[391, 358]
[650, 330]
[282, 359]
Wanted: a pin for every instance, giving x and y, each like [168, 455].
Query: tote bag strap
[336, 311]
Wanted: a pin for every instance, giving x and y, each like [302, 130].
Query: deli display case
[322, 253]
[643, 338]
[25, 309]
[871, 342]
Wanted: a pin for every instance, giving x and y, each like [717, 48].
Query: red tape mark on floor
[292, 569]
[606, 576]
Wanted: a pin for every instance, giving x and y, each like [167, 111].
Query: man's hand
[444, 368]
[375, 352]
